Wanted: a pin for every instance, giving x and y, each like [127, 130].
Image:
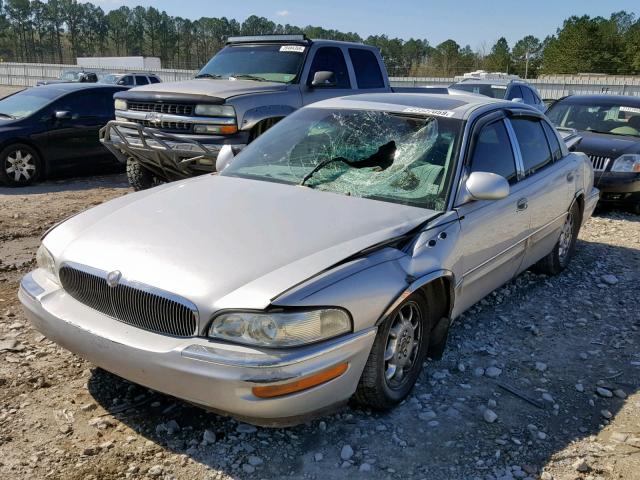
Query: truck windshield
[362, 153]
[493, 91]
[608, 116]
[275, 63]
[70, 76]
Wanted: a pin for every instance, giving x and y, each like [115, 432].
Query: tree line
[59, 31]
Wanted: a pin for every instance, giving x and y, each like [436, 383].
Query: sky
[469, 22]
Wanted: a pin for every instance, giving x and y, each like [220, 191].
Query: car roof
[453, 105]
[605, 99]
[122, 74]
[56, 90]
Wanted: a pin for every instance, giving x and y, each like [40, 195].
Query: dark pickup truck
[169, 131]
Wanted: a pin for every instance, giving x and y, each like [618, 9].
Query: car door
[74, 139]
[493, 232]
[327, 59]
[548, 181]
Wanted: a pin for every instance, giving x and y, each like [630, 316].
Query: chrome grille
[174, 108]
[599, 162]
[179, 126]
[133, 304]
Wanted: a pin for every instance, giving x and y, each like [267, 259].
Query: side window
[331, 59]
[493, 153]
[514, 92]
[367, 70]
[528, 98]
[141, 80]
[154, 79]
[552, 138]
[533, 144]
[127, 80]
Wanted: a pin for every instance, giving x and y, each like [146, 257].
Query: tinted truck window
[331, 59]
[365, 64]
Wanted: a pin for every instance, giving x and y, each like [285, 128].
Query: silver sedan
[326, 261]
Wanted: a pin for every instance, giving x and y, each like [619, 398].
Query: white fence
[27, 74]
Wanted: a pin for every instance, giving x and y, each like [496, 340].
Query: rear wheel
[558, 259]
[20, 165]
[140, 178]
[397, 354]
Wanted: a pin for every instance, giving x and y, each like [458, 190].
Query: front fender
[255, 115]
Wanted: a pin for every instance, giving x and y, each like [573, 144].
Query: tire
[20, 165]
[560, 257]
[382, 386]
[139, 177]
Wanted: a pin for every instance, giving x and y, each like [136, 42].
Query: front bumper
[212, 374]
[170, 156]
[618, 187]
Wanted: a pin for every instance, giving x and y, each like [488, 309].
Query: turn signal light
[271, 391]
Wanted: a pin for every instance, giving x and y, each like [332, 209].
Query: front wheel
[20, 165]
[397, 354]
[140, 178]
[558, 259]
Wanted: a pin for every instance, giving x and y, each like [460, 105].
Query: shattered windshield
[370, 154]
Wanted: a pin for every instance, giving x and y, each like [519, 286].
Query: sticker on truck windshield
[429, 111]
[630, 109]
[500, 87]
[292, 48]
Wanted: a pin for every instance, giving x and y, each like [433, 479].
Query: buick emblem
[113, 278]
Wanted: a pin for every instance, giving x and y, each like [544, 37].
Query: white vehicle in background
[501, 86]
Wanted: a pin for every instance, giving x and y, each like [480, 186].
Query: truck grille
[599, 162]
[131, 303]
[176, 126]
[173, 108]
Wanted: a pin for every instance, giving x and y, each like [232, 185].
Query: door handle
[522, 204]
[570, 177]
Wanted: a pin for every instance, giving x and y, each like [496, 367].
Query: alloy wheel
[566, 237]
[402, 345]
[20, 165]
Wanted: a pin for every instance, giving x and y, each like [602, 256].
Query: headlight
[280, 329]
[120, 104]
[45, 261]
[629, 162]
[215, 110]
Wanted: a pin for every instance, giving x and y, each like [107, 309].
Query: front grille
[133, 304]
[177, 126]
[173, 108]
[599, 162]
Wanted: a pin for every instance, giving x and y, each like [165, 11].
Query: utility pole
[526, 65]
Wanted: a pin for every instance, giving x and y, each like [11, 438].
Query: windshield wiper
[383, 158]
[7, 116]
[246, 76]
[208, 75]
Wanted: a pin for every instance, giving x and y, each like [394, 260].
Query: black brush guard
[166, 155]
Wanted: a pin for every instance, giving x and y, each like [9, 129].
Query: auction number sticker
[429, 111]
[292, 48]
[630, 109]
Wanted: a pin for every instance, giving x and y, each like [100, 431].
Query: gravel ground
[567, 346]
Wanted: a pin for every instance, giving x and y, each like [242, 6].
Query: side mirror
[485, 186]
[225, 156]
[62, 115]
[120, 82]
[323, 78]
[517, 100]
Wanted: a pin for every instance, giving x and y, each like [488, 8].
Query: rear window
[154, 79]
[365, 64]
[488, 89]
[141, 80]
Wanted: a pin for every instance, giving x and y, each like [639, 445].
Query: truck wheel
[20, 165]
[558, 259]
[139, 177]
[397, 354]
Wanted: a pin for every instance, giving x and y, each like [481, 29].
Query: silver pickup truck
[169, 131]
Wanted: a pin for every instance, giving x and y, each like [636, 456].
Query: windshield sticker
[501, 87]
[292, 48]
[630, 109]
[429, 111]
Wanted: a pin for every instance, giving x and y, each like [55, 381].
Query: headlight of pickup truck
[215, 110]
[629, 162]
[45, 261]
[280, 329]
[120, 104]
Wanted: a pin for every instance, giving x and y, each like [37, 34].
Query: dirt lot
[569, 345]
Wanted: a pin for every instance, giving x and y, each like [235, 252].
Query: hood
[212, 87]
[607, 145]
[225, 242]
